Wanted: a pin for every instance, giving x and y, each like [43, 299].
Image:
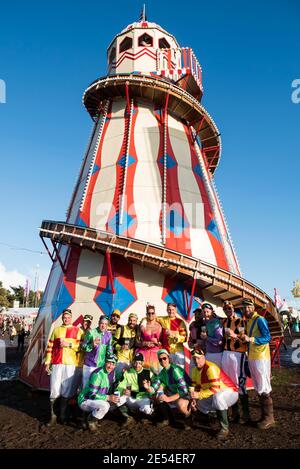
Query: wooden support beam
[58, 256]
[220, 293]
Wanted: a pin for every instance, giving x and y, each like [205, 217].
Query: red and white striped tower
[145, 222]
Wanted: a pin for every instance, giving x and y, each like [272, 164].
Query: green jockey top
[98, 387]
[135, 379]
[95, 356]
[173, 380]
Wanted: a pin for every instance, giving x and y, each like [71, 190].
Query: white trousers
[86, 373]
[261, 375]
[142, 405]
[100, 408]
[178, 359]
[222, 400]
[233, 364]
[63, 381]
[215, 358]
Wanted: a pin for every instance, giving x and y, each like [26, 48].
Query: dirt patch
[24, 414]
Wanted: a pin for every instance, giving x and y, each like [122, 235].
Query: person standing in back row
[258, 338]
[61, 355]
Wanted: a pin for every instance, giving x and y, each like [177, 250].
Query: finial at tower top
[143, 16]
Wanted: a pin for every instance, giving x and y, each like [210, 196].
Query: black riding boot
[53, 418]
[63, 409]
[223, 420]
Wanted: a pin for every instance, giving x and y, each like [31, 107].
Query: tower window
[112, 55]
[145, 40]
[126, 44]
[163, 43]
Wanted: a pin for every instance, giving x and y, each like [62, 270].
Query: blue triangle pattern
[95, 169]
[177, 296]
[197, 170]
[61, 300]
[114, 225]
[212, 227]
[80, 222]
[121, 300]
[170, 161]
[122, 161]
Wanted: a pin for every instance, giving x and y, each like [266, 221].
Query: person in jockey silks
[132, 386]
[97, 346]
[234, 360]
[174, 334]
[212, 335]
[113, 323]
[98, 397]
[86, 328]
[169, 389]
[213, 390]
[258, 338]
[194, 341]
[125, 343]
[62, 361]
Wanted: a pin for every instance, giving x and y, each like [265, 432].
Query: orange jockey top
[210, 380]
[66, 355]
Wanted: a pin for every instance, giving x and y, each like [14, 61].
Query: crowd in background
[14, 326]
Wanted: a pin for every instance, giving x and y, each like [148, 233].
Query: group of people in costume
[140, 367]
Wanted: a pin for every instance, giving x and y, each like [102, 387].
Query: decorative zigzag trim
[164, 188]
[126, 163]
[94, 156]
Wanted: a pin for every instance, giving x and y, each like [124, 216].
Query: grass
[287, 376]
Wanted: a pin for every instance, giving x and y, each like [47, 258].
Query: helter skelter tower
[144, 222]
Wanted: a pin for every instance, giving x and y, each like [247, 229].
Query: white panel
[149, 287]
[147, 181]
[82, 183]
[104, 190]
[190, 194]
[88, 275]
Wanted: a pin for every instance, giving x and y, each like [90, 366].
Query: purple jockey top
[95, 356]
[214, 341]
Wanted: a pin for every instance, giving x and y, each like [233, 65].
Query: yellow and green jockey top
[66, 355]
[258, 328]
[135, 379]
[209, 380]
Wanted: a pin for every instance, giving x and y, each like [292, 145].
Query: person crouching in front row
[96, 398]
[169, 389]
[214, 390]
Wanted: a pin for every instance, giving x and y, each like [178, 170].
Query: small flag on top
[143, 16]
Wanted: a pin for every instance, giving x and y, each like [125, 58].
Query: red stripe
[85, 214]
[138, 55]
[218, 248]
[128, 190]
[175, 242]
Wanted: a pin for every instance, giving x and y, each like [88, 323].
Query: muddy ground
[24, 414]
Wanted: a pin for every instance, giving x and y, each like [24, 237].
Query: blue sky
[249, 52]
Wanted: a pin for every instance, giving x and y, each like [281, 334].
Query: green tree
[4, 297]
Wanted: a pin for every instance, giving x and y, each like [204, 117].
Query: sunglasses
[115, 315]
[162, 359]
[151, 313]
